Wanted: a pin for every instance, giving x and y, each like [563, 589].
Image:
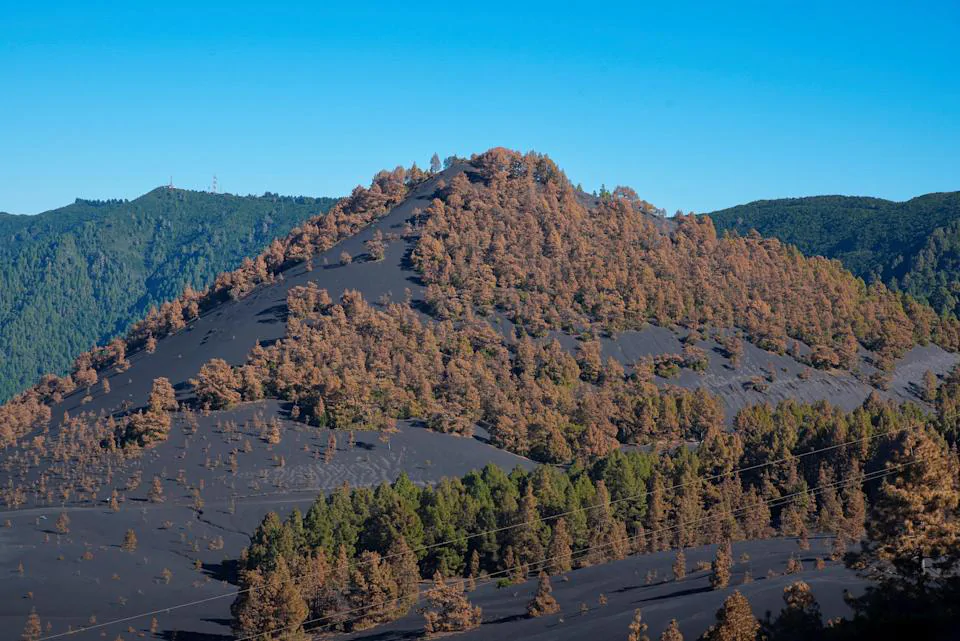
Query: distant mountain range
[912, 246]
[78, 275]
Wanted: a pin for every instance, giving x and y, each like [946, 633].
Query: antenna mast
[213, 187]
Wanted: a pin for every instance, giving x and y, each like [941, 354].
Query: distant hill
[913, 246]
[81, 274]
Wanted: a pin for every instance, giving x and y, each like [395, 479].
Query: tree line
[363, 546]
[521, 241]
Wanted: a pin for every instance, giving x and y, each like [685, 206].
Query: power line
[769, 503]
[496, 530]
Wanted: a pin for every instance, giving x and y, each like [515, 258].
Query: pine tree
[930, 384]
[217, 385]
[721, 566]
[516, 571]
[271, 603]
[33, 629]
[830, 514]
[855, 509]
[543, 602]
[403, 562]
[129, 541]
[794, 566]
[638, 629]
[800, 619]
[331, 450]
[839, 547]
[735, 621]
[474, 570]
[672, 633]
[373, 591]
[448, 609]
[435, 163]
[527, 545]
[679, 566]
[162, 396]
[63, 523]
[155, 495]
[656, 512]
[914, 516]
[560, 551]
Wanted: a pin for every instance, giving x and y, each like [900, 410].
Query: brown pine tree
[679, 566]
[448, 609]
[800, 619]
[914, 521]
[721, 566]
[129, 541]
[794, 565]
[33, 629]
[331, 450]
[638, 629]
[163, 398]
[672, 633]
[155, 495]
[272, 603]
[474, 571]
[403, 563]
[930, 384]
[855, 510]
[735, 621]
[217, 386]
[560, 552]
[63, 523]
[543, 602]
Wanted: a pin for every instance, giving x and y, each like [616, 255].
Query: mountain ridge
[80, 274]
[908, 245]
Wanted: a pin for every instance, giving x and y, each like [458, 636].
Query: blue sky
[697, 106]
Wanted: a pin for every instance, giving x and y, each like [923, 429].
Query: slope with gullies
[488, 300]
[81, 274]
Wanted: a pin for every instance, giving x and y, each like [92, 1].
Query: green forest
[913, 246]
[79, 275]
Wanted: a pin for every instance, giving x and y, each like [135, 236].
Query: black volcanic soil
[624, 583]
[67, 589]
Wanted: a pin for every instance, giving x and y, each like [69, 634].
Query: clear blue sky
[696, 106]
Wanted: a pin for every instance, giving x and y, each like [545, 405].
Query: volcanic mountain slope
[230, 329]
[909, 245]
[80, 275]
[462, 351]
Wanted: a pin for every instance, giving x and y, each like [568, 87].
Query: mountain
[452, 380]
[80, 275]
[911, 246]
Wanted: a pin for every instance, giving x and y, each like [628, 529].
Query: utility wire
[769, 503]
[497, 530]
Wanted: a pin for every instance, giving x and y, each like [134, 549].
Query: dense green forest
[913, 246]
[82, 274]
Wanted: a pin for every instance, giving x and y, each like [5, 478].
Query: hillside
[910, 246]
[80, 275]
[466, 376]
